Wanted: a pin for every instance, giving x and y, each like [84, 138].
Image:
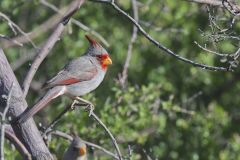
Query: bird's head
[96, 50]
[79, 146]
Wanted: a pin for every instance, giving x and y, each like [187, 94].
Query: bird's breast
[84, 87]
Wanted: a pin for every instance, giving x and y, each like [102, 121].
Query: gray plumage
[79, 77]
[76, 150]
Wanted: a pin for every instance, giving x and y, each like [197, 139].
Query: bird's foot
[73, 104]
[90, 107]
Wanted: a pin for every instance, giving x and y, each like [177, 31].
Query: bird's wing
[81, 69]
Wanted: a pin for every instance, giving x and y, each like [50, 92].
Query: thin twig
[25, 56]
[70, 138]
[148, 157]
[210, 51]
[76, 22]
[13, 25]
[192, 98]
[217, 3]
[11, 40]
[49, 128]
[3, 121]
[130, 150]
[55, 121]
[130, 45]
[102, 149]
[109, 133]
[48, 45]
[231, 7]
[10, 135]
[156, 43]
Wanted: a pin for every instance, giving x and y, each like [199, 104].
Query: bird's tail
[42, 103]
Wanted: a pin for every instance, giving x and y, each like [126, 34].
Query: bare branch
[210, 51]
[81, 102]
[76, 22]
[220, 3]
[55, 121]
[210, 2]
[43, 52]
[27, 133]
[157, 44]
[13, 25]
[130, 45]
[70, 138]
[13, 41]
[109, 133]
[89, 106]
[3, 121]
[9, 133]
[44, 27]
[231, 7]
[25, 56]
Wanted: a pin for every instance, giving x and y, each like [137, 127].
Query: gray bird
[79, 77]
[76, 151]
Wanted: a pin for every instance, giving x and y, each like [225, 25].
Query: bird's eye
[75, 148]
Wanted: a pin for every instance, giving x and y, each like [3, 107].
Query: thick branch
[27, 133]
[9, 134]
[3, 121]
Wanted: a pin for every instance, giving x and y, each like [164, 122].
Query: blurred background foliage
[168, 109]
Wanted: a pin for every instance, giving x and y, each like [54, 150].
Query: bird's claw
[73, 104]
[91, 108]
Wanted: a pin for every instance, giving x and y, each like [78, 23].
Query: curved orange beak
[107, 61]
[82, 151]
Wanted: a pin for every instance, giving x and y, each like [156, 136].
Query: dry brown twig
[124, 74]
[14, 26]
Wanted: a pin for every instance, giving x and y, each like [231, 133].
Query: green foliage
[157, 113]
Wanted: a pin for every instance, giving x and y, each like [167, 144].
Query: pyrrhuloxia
[79, 77]
[76, 151]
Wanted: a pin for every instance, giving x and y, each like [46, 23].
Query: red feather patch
[69, 81]
[101, 59]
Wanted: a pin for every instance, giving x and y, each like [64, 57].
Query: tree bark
[27, 132]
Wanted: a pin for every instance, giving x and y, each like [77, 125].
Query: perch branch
[81, 103]
[109, 133]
